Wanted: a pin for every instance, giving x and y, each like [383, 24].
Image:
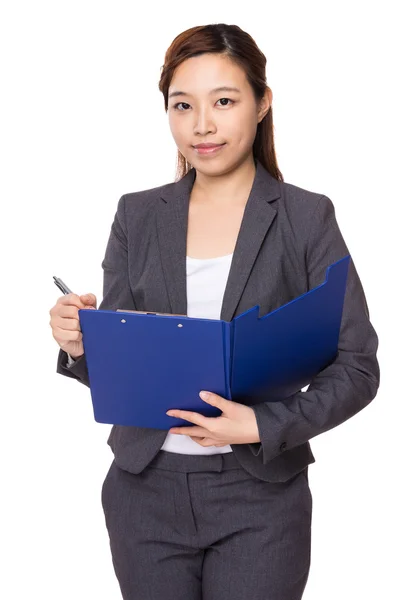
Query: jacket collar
[172, 238]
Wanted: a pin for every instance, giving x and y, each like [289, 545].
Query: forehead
[200, 74]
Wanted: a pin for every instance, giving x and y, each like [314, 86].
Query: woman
[222, 508]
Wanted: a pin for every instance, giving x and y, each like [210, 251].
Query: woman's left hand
[236, 425]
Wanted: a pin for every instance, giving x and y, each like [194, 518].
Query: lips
[207, 145]
[208, 149]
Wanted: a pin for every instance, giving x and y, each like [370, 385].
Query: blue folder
[142, 364]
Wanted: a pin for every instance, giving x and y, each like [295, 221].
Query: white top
[206, 281]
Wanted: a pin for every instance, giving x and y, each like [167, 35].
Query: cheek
[250, 126]
[180, 137]
[245, 137]
[244, 130]
[175, 126]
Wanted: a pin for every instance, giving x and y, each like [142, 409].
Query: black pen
[64, 288]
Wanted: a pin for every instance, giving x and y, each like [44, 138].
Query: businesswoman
[221, 509]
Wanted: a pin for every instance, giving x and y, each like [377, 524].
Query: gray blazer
[288, 237]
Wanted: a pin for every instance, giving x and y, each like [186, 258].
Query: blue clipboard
[142, 364]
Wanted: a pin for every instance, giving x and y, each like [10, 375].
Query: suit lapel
[172, 238]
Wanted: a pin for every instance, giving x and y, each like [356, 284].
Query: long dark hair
[240, 47]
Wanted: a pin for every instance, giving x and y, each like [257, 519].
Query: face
[202, 114]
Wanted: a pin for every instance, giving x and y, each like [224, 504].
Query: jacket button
[283, 446]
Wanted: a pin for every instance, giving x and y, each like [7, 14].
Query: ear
[265, 104]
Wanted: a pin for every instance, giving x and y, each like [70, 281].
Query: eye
[181, 110]
[178, 104]
[229, 99]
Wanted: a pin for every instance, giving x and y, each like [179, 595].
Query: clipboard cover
[141, 363]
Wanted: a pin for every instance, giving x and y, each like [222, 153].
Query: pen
[64, 288]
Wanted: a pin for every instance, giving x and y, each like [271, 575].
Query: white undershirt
[206, 281]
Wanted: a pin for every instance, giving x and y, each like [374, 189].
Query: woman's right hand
[65, 322]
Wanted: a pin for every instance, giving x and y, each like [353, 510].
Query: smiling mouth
[207, 145]
[208, 149]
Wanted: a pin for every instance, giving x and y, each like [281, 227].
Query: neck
[228, 189]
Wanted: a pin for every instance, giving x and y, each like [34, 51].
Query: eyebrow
[223, 88]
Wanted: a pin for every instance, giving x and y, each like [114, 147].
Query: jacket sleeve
[351, 381]
[116, 288]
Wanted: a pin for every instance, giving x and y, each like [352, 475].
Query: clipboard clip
[147, 312]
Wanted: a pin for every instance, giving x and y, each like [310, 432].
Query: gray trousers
[200, 527]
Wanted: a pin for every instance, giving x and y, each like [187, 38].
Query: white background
[83, 122]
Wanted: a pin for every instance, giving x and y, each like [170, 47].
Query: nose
[204, 122]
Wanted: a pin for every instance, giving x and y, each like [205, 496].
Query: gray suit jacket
[288, 237]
